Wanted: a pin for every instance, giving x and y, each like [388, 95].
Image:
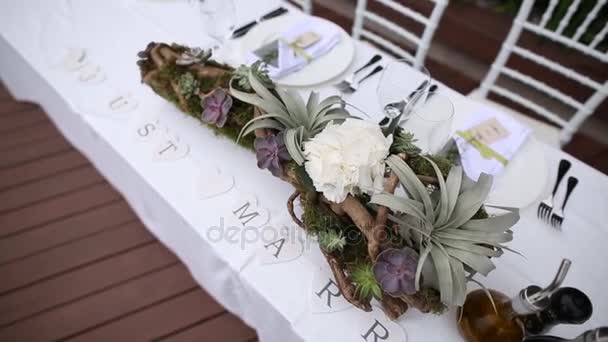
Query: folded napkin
[487, 140]
[290, 58]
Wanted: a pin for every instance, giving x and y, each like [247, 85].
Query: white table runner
[160, 159]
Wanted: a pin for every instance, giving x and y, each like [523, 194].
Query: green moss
[423, 167]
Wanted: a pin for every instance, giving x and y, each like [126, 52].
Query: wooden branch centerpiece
[415, 249]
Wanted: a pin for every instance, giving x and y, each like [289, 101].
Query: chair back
[422, 42]
[548, 25]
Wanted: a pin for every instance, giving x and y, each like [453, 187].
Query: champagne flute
[218, 18]
[431, 122]
[401, 87]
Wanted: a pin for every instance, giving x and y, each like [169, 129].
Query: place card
[489, 131]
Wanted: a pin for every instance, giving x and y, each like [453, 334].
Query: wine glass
[218, 18]
[431, 122]
[401, 87]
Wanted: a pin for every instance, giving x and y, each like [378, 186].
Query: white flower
[347, 159]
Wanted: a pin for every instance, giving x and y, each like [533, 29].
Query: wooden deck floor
[75, 262]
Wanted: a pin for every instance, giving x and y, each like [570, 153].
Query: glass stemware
[431, 122]
[218, 19]
[401, 87]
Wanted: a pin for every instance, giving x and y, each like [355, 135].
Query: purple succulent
[216, 106]
[395, 270]
[270, 150]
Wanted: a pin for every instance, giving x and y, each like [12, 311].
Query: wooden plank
[40, 168]
[49, 187]
[56, 209]
[10, 123]
[19, 155]
[225, 328]
[84, 282]
[33, 133]
[4, 93]
[117, 302]
[65, 230]
[11, 107]
[168, 317]
[73, 255]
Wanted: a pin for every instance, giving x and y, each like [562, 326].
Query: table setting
[318, 187]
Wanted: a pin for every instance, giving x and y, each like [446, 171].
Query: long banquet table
[163, 163]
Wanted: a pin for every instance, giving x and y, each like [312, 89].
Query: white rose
[347, 159]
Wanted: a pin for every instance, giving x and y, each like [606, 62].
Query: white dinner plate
[525, 176]
[320, 70]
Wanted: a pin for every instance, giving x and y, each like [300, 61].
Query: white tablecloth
[166, 190]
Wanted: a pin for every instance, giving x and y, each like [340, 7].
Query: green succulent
[331, 241]
[453, 247]
[405, 142]
[366, 285]
[288, 113]
[188, 85]
[241, 76]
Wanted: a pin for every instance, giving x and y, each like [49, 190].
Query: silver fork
[546, 206]
[558, 215]
[348, 81]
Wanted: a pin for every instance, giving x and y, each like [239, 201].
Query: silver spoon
[394, 109]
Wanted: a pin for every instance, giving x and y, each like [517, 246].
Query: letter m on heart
[244, 215]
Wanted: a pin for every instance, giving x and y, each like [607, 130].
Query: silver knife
[241, 31]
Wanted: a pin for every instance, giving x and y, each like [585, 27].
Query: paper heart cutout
[375, 326]
[169, 148]
[74, 59]
[123, 103]
[325, 296]
[212, 182]
[279, 246]
[91, 74]
[249, 212]
[149, 130]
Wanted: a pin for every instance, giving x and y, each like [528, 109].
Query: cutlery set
[350, 84]
[243, 30]
[547, 209]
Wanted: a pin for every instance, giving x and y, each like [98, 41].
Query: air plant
[288, 113]
[366, 285]
[453, 247]
[331, 240]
